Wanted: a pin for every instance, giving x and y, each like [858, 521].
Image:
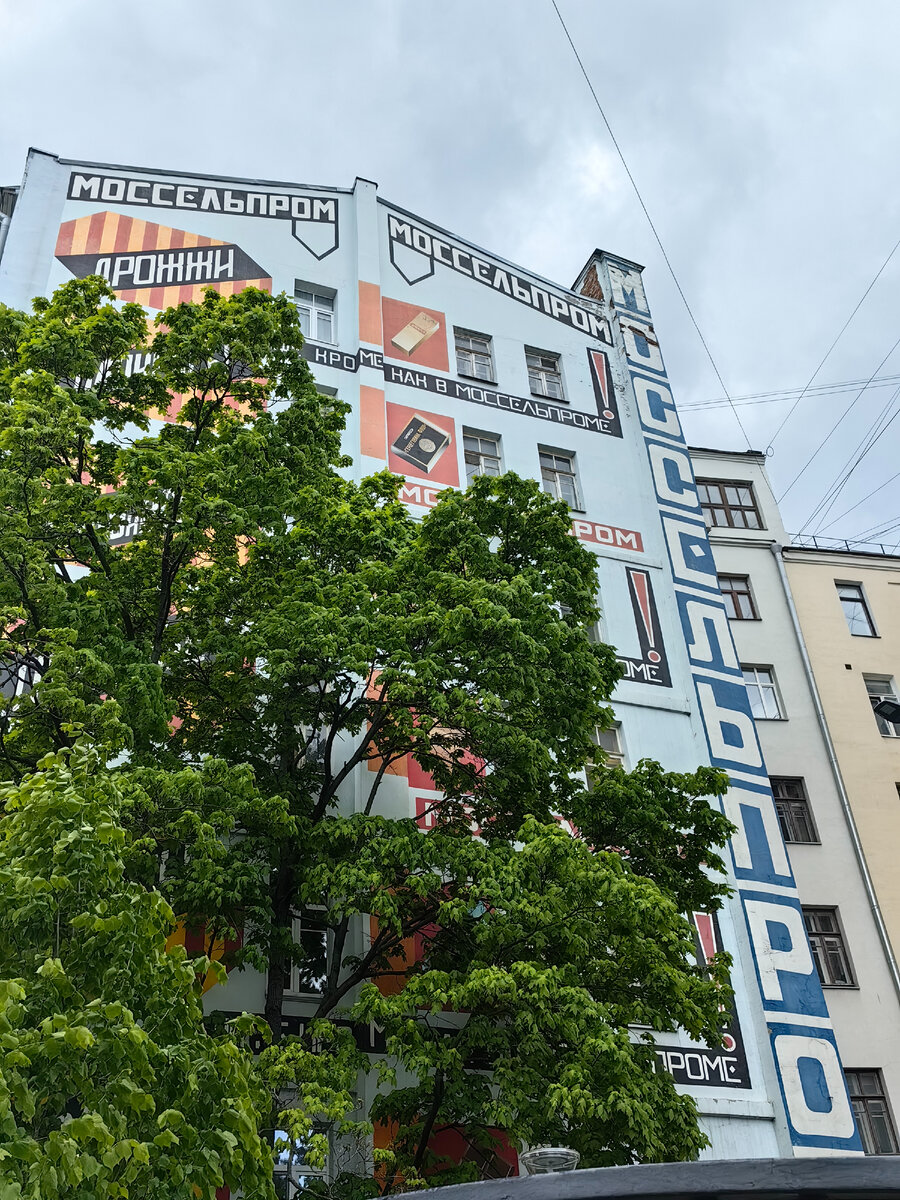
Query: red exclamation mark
[640, 581]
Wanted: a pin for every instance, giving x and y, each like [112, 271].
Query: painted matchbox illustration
[421, 443]
[413, 334]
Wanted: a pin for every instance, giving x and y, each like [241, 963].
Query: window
[870, 1107]
[610, 742]
[738, 598]
[727, 502]
[315, 305]
[473, 355]
[792, 806]
[311, 935]
[558, 476]
[292, 1171]
[880, 689]
[482, 454]
[827, 944]
[543, 374]
[854, 605]
[760, 683]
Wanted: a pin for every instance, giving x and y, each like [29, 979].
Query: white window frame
[294, 1172]
[614, 750]
[762, 688]
[482, 453]
[563, 466]
[544, 374]
[885, 689]
[860, 599]
[295, 987]
[314, 301]
[474, 355]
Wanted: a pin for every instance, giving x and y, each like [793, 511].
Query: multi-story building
[456, 362]
[817, 633]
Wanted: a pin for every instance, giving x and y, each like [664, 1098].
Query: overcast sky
[763, 136]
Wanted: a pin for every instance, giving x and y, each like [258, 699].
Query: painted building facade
[817, 632]
[455, 362]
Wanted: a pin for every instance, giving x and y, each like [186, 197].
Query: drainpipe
[4, 230]
[838, 778]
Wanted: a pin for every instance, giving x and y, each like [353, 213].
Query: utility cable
[832, 346]
[869, 439]
[868, 496]
[662, 248]
[838, 423]
[779, 395]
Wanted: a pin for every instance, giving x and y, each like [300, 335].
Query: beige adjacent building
[848, 605]
[817, 633]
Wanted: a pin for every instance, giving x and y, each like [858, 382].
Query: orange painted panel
[369, 313]
[372, 436]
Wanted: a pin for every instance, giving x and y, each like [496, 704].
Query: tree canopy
[284, 650]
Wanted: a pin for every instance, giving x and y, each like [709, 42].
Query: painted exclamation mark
[640, 581]
[601, 375]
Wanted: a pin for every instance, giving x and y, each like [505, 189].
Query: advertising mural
[422, 443]
[155, 265]
[803, 1044]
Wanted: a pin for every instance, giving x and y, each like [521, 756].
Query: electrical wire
[662, 248]
[779, 395]
[872, 436]
[837, 424]
[868, 496]
[832, 346]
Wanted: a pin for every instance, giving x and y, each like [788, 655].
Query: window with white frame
[315, 307]
[880, 687]
[558, 476]
[474, 355]
[293, 1173]
[311, 936]
[544, 375]
[763, 694]
[856, 611]
[609, 741]
[482, 454]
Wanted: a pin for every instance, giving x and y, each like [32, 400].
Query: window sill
[745, 620]
[789, 842]
[549, 399]
[840, 987]
[477, 379]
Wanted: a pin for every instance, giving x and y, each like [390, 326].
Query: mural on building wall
[652, 666]
[313, 219]
[803, 1044]
[722, 1066]
[415, 249]
[414, 334]
[153, 264]
[422, 443]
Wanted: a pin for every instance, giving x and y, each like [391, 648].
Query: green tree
[280, 642]
[109, 1084]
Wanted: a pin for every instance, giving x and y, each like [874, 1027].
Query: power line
[837, 424]
[868, 496]
[869, 439]
[779, 395]
[876, 431]
[833, 344]
[662, 248]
